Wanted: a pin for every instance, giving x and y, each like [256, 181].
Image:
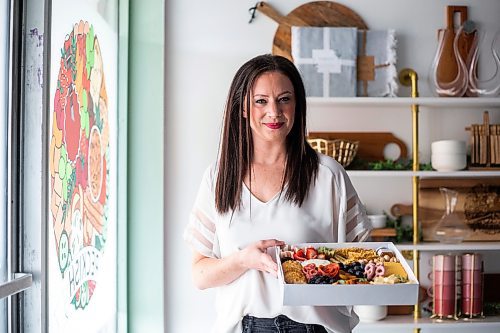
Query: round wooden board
[314, 14]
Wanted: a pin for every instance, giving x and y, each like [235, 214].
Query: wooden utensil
[400, 210]
[473, 146]
[311, 14]
[486, 138]
[485, 143]
[371, 144]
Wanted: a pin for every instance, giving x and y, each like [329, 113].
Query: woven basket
[343, 151]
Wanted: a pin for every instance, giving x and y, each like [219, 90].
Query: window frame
[11, 289]
[15, 282]
[28, 182]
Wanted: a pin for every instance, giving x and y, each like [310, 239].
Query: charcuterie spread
[341, 266]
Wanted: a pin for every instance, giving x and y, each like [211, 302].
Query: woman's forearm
[212, 272]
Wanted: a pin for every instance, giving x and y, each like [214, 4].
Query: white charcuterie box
[350, 294]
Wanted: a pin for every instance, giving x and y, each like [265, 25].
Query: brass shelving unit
[408, 77]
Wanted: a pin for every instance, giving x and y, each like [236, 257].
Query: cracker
[355, 254]
[291, 265]
[295, 277]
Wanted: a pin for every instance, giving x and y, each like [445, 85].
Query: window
[4, 77]
[25, 132]
[11, 282]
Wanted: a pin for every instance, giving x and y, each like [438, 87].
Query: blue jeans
[280, 324]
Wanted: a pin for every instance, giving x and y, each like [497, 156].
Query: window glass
[4, 76]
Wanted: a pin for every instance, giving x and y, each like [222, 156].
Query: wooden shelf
[403, 104]
[424, 174]
[464, 246]
[407, 321]
[443, 102]
[383, 232]
[459, 174]
[378, 235]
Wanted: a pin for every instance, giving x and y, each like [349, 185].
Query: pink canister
[444, 283]
[472, 285]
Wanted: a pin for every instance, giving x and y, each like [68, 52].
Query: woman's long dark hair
[236, 150]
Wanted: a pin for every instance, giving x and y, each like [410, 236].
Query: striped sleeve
[201, 232]
[357, 224]
[353, 224]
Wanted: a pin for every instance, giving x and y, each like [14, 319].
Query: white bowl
[378, 221]
[370, 313]
[448, 162]
[448, 147]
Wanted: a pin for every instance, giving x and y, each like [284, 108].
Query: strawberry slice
[311, 253]
[299, 255]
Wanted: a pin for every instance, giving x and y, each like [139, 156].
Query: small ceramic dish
[378, 221]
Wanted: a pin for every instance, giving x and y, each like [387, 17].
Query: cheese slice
[394, 268]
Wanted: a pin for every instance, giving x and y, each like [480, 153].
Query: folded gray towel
[326, 59]
[377, 74]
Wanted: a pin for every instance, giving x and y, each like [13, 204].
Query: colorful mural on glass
[78, 162]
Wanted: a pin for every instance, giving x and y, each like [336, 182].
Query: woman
[268, 188]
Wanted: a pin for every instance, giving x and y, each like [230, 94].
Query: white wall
[206, 42]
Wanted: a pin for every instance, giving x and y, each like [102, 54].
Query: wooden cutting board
[432, 205]
[311, 14]
[371, 144]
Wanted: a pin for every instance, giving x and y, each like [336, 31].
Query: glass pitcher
[456, 85]
[451, 228]
[487, 84]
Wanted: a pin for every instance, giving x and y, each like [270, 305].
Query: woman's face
[272, 108]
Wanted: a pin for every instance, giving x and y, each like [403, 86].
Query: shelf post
[408, 77]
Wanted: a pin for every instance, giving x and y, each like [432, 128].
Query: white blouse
[332, 212]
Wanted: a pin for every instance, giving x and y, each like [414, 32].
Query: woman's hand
[255, 256]
[212, 272]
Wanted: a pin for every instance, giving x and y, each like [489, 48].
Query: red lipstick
[274, 125]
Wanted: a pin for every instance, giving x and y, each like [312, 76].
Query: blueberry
[329, 280]
[316, 280]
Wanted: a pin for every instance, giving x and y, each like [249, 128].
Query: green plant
[404, 233]
[400, 164]
[491, 308]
